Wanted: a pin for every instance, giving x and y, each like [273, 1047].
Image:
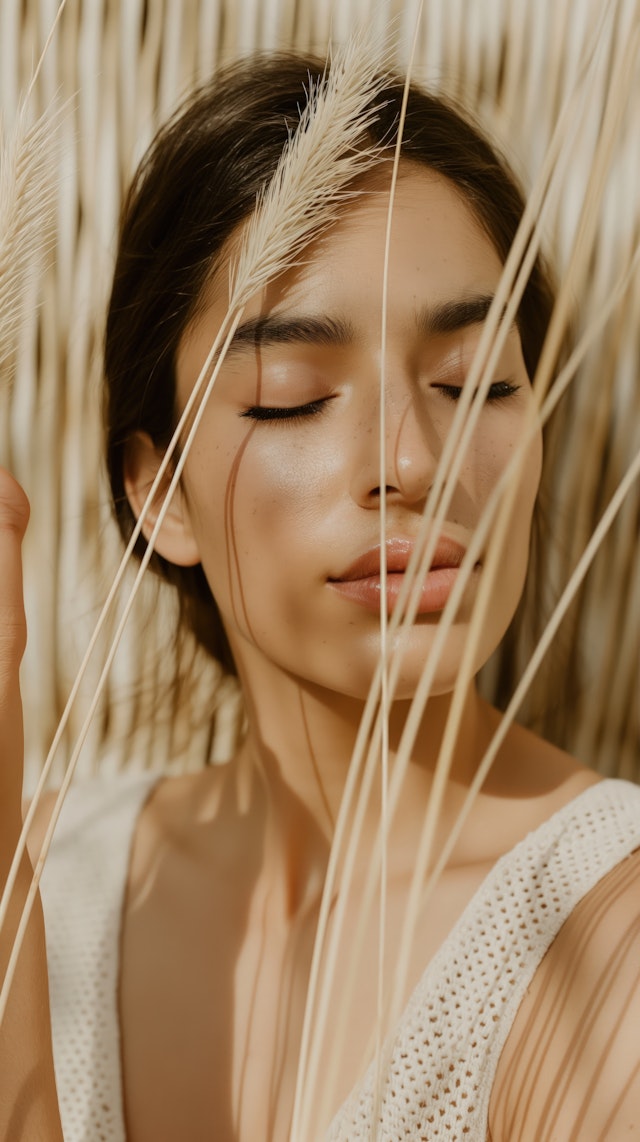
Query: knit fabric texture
[440, 1062]
[442, 1058]
[83, 886]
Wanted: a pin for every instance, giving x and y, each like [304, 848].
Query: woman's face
[282, 485]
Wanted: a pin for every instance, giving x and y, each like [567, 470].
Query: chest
[212, 998]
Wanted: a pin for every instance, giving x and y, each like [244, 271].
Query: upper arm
[571, 1065]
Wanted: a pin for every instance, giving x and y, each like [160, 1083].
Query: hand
[14, 516]
[28, 1100]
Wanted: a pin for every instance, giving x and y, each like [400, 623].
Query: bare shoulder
[90, 806]
[571, 1064]
[192, 819]
[40, 821]
[169, 810]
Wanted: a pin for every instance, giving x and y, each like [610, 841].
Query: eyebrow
[452, 316]
[279, 329]
[275, 329]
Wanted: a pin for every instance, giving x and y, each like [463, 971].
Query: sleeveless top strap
[83, 888]
[443, 1055]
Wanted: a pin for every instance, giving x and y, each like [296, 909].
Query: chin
[356, 674]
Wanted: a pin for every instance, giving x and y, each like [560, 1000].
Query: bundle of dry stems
[562, 77]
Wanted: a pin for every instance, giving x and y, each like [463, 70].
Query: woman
[181, 913]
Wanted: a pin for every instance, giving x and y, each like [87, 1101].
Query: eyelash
[499, 391]
[297, 412]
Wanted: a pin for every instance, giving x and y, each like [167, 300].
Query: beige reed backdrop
[121, 66]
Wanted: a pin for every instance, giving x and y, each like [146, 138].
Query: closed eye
[288, 413]
[498, 391]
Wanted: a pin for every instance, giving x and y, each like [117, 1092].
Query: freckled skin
[279, 507]
[276, 506]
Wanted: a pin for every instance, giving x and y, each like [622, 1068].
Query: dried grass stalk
[494, 64]
[511, 93]
[584, 241]
[313, 178]
[313, 181]
[27, 208]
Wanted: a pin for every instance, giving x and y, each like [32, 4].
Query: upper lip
[448, 553]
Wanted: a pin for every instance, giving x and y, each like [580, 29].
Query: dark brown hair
[198, 181]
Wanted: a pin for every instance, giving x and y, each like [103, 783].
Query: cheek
[529, 477]
[282, 487]
[489, 457]
[515, 558]
[261, 509]
[487, 462]
[513, 562]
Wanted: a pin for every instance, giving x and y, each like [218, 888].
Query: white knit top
[445, 1049]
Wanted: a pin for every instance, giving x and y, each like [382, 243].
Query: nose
[412, 449]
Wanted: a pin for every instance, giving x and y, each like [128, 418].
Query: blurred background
[120, 67]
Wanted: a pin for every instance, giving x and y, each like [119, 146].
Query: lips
[360, 581]
[448, 553]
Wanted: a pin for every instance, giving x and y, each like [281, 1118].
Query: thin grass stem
[66, 782]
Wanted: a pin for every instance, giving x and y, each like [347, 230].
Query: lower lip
[435, 592]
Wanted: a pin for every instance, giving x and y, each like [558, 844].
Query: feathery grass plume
[320, 161]
[27, 202]
[525, 248]
[609, 134]
[618, 94]
[312, 180]
[364, 758]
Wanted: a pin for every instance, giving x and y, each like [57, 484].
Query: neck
[302, 738]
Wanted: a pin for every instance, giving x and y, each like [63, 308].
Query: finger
[14, 515]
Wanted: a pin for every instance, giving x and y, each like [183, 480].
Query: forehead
[437, 244]
[438, 254]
